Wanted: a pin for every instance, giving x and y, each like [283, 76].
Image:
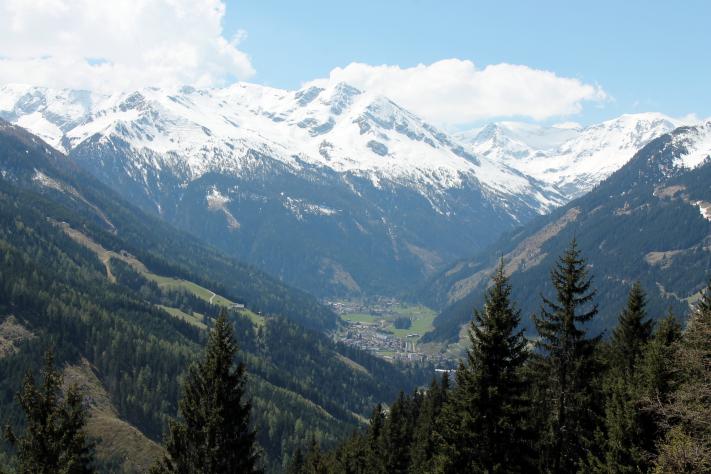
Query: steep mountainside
[125, 301]
[332, 189]
[649, 221]
[29, 162]
[570, 157]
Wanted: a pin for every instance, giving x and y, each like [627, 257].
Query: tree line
[564, 401]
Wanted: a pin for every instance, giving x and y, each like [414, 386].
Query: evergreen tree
[398, 433]
[376, 430]
[655, 384]
[54, 440]
[626, 424]
[568, 363]
[482, 422]
[424, 444]
[213, 435]
[632, 333]
[314, 462]
[296, 466]
[687, 444]
[657, 365]
[352, 457]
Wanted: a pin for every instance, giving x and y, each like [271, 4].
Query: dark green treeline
[566, 401]
[563, 402]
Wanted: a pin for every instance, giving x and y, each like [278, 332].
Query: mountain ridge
[570, 157]
[648, 221]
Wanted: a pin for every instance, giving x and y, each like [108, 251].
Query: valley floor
[370, 324]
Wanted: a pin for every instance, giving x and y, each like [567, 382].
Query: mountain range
[568, 156]
[331, 189]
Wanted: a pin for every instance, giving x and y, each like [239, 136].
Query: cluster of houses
[375, 338]
[379, 306]
[371, 338]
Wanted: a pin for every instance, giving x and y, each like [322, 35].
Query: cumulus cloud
[455, 91]
[118, 44]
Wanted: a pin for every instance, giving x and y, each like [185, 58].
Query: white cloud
[118, 44]
[454, 91]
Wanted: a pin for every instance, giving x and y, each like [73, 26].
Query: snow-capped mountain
[570, 157]
[340, 128]
[307, 184]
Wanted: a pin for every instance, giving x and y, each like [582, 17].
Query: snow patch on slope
[697, 141]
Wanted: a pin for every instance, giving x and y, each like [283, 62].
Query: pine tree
[296, 466]
[213, 435]
[483, 420]
[314, 462]
[424, 444]
[626, 424]
[397, 437]
[352, 456]
[687, 444]
[375, 453]
[632, 332]
[55, 440]
[568, 362]
[657, 364]
[655, 383]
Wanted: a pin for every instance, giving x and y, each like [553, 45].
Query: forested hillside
[649, 222]
[125, 301]
[27, 162]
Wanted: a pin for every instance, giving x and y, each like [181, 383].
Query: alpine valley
[333, 190]
[424, 238]
[126, 219]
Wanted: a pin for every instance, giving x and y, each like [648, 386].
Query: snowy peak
[572, 158]
[45, 112]
[532, 136]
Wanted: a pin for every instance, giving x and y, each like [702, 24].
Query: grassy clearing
[170, 283]
[421, 316]
[194, 319]
[163, 282]
[359, 317]
[254, 317]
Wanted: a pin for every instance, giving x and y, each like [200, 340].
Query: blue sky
[456, 63]
[645, 55]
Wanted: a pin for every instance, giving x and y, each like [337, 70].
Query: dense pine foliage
[55, 440]
[483, 427]
[213, 434]
[638, 401]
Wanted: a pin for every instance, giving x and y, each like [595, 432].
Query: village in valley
[388, 329]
